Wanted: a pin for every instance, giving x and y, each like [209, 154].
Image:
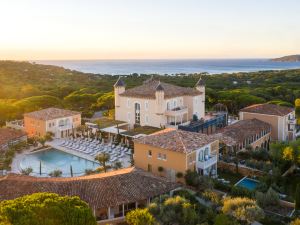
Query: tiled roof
[100, 190]
[51, 113]
[176, 140]
[269, 109]
[239, 131]
[148, 89]
[9, 134]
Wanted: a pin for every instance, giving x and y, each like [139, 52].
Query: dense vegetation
[45, 209]
[25, 87]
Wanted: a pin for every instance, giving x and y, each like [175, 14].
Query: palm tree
[103, 158]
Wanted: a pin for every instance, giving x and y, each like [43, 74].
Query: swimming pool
[53, 159]
[248, 183]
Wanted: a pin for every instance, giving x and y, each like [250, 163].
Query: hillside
[289, 58]
[25, 87]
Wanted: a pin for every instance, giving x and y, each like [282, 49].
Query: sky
[148, 29]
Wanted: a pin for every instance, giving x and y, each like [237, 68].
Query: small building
[158, 104]
[10, 137]
[62, 123]
[244, 133]
[176, 151]
[110, 195]
[282, 119]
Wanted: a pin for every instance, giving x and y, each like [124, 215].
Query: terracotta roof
[148, 89]
[51, 113]
[100, 190]
[176, 140]
[241, 130]
[9, 134]
[269, 109]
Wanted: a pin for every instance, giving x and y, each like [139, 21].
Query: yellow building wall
[175, 160]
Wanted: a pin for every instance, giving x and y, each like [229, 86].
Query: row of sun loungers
[95, 147]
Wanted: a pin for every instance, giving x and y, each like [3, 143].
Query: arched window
[200, 155]
[137, 109]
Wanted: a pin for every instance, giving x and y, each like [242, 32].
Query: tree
[55, 173]
[223, 219]
[243, 209]
[49, 136]
[27, 171]
[176, 210]
[42, 141]
[103, 158]
[117, 165]
[296, 222]
[297, 197]
[140, 217]
[46, 209]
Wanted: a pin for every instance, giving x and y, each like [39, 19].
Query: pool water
[54, 159]
[248, 183]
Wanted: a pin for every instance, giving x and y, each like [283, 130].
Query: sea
[171, 66]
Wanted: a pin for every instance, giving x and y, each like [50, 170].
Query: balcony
[213, 159]
[178, 111]
[65, 127]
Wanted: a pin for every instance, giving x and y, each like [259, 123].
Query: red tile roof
[176, 140]
[241, 130]
[51, 113]
[9, 134]
[269, 109]
[99, 190]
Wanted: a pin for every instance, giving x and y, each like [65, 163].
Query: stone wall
[246, 171]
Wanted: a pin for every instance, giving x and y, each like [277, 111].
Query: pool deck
[16, 168]
[56, 144]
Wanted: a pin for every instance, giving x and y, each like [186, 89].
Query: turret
[159, 95]
[119, 88]
[200, 85]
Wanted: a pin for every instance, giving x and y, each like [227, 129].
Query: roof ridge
[185, 150]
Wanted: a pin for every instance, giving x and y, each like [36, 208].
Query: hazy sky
[116, 29]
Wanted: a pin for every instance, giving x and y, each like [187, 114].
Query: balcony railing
[65, 127]
[207, 163]
[176, 111]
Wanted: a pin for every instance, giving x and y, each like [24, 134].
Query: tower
[159, 95]
[200, 86]
[119, 88]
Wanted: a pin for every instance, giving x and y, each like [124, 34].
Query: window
[175, 104]
[164, 157]
[159, 156]
[137, 108]
[128, 103]
[149, 168]
[49, 125]
[168, 106]
[149, 153]
[146, 105]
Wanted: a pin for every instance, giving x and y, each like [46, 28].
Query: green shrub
[237, 191]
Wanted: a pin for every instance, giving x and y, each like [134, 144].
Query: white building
[158, 104]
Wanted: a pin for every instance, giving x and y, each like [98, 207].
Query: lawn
[142, 130]
[106, 122]
[230, 176]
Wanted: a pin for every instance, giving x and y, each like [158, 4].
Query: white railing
[207, 163]
[176, 111]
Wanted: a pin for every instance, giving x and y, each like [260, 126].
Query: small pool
[248, 183]
[53, 159]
